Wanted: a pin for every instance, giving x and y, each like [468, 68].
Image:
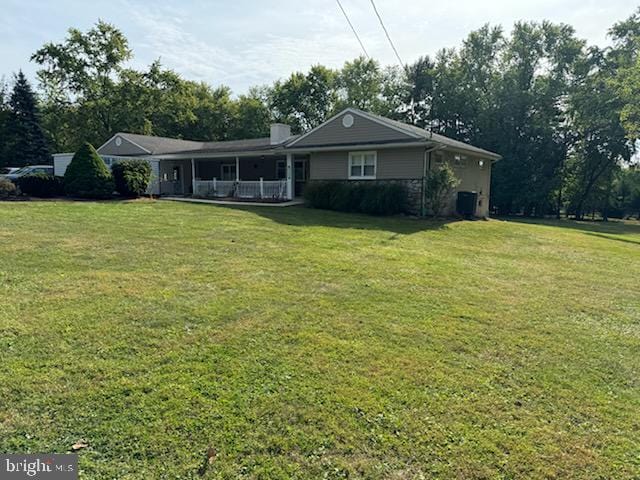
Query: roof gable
[357, 128]
[134, 144]
[120, 145]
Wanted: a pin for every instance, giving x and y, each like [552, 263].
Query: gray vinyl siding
[363, 130]
[400, 163]
[125, 149]
[328, 166]
[392, 163]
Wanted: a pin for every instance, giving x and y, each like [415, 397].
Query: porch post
[237, 169]
[290, 190]
[261, 187]
[193, 177]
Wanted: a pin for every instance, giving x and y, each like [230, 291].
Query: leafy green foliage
[626, 53]
[624, 196]
[7, 188]
[304, 101]
[364, 197]
[439, 183]
[41, 185]
[25, 143]
[131, 177]
[87, 175]
[80, 81]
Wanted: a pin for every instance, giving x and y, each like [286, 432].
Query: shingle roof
[164, 145]
[249, 145]
[160, 145]
[441, 139]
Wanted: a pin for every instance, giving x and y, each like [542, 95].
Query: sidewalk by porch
[290, 203]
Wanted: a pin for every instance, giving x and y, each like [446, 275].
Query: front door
[300, 176]
[171, 179]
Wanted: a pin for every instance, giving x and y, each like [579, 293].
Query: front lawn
[299, 343]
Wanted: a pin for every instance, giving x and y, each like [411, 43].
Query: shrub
[87, 175]
[439, 185]
[41, 185]
[371, 198]
[131, 177]
[7, 188]
[383, 199]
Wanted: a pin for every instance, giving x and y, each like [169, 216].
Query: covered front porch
[268, 178]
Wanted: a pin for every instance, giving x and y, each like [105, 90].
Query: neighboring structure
[351, 146]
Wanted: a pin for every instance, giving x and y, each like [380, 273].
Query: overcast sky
[242, 43]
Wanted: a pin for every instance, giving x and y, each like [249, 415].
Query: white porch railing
[213, 188]
[259, 189]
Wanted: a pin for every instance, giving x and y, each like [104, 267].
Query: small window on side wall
[459, 161]
[362, 165]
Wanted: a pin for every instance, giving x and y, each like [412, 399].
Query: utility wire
[353, 29]
[387, 34]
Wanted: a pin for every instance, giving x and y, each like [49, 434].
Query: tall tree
[79, 78]
[26, 143]
[250, 116]
[602, 145]
[360, 84]
[304, 100]
[626, 54]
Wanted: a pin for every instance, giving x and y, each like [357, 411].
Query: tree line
[564, 115]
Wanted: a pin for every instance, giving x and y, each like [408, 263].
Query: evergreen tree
[26, 142]
[87, 176]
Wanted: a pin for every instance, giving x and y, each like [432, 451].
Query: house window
[459, 161]
[228, 171]
[176, 174]
[362, 165]
[281, 170]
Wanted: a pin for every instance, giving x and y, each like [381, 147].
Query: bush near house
[7, 188]
[41, 185]
[131, 177]
[87, 176]
[370, 198]
[440, 182]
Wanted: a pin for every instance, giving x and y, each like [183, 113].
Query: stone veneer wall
[413, 187]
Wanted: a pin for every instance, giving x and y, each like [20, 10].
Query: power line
[353, 29]
[387, 34]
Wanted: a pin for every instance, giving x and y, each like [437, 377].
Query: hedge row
[41, 185]
[87, 176]
[370, 198]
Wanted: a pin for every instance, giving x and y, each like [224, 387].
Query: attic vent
[118, 141]
[347, 120]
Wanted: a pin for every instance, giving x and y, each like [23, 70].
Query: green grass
[309, 344]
